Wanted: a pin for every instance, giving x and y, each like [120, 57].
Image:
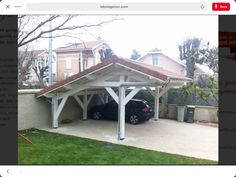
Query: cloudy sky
[145, 32]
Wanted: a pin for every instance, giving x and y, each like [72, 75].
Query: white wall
[201, 113]
[36, 112]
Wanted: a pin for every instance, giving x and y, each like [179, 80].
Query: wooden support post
[84, 104]
[89, 99]
[121, 114]
[106, 98]
[85, 100]
[79, 101]
[113, 94]
[156, 104]
[131, 94]
[101, 98]
[54, 110]
[150, 91]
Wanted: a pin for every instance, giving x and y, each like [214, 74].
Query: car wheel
[97, 115]
[133, 119]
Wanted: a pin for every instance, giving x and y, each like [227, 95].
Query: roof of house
[153, 71]
[90, 45]
[156, 50]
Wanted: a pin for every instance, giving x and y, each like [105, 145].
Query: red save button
[220, 6]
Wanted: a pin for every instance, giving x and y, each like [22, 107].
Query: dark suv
[136, 111]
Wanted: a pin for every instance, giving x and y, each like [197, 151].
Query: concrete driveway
[164, 135]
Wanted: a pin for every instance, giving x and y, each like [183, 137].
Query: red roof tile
[151, 70]
[79, 46]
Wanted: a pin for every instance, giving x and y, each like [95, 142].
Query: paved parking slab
[164, 135]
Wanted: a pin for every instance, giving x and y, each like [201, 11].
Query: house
[40, 61]
[70, 57]
[157, 58]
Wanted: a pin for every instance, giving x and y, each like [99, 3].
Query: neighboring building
[77, 57]
[157, 58]
[39, 60]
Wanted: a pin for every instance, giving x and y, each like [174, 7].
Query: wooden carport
[113, 77]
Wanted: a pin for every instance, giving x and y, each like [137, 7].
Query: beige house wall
[33, 112]
[165, 63]
[61, 64]
[62, 57]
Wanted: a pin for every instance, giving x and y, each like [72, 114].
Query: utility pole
[50, 55]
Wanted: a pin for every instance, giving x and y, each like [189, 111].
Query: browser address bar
[73, 6]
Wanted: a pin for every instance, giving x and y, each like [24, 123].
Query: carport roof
[153, 71]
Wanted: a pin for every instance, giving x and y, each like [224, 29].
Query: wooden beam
[150, 91]
[139, 72]
[90, 98]
[131, 95]
[79, 101]
[156, 104]
[139, 84]
[164, 91]
[90, 77]
[117, 84]
[54, 110]
[69, 87]
[71, 92]
[106, 98]
[121, 114]
[101, 98]
[113, 94]
[60, 107]
[92, 92]
[85, 100]
[50, 95]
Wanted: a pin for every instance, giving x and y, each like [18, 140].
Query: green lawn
[51, 148]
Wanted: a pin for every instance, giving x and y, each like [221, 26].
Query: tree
[135, 55]
[105, 54]
[33, 28]
[189, 51]
[210, 58]
[195, 51]
[40, 69]
[24, 67]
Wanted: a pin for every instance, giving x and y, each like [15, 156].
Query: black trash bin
[189, 116]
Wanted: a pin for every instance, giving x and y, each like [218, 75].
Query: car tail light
[145, 109]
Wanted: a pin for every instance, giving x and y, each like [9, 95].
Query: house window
[154, 59]
[68, 63]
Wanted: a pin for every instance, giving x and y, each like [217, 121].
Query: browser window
[117, 83]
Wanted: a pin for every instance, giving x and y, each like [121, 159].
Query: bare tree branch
[61, 27]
